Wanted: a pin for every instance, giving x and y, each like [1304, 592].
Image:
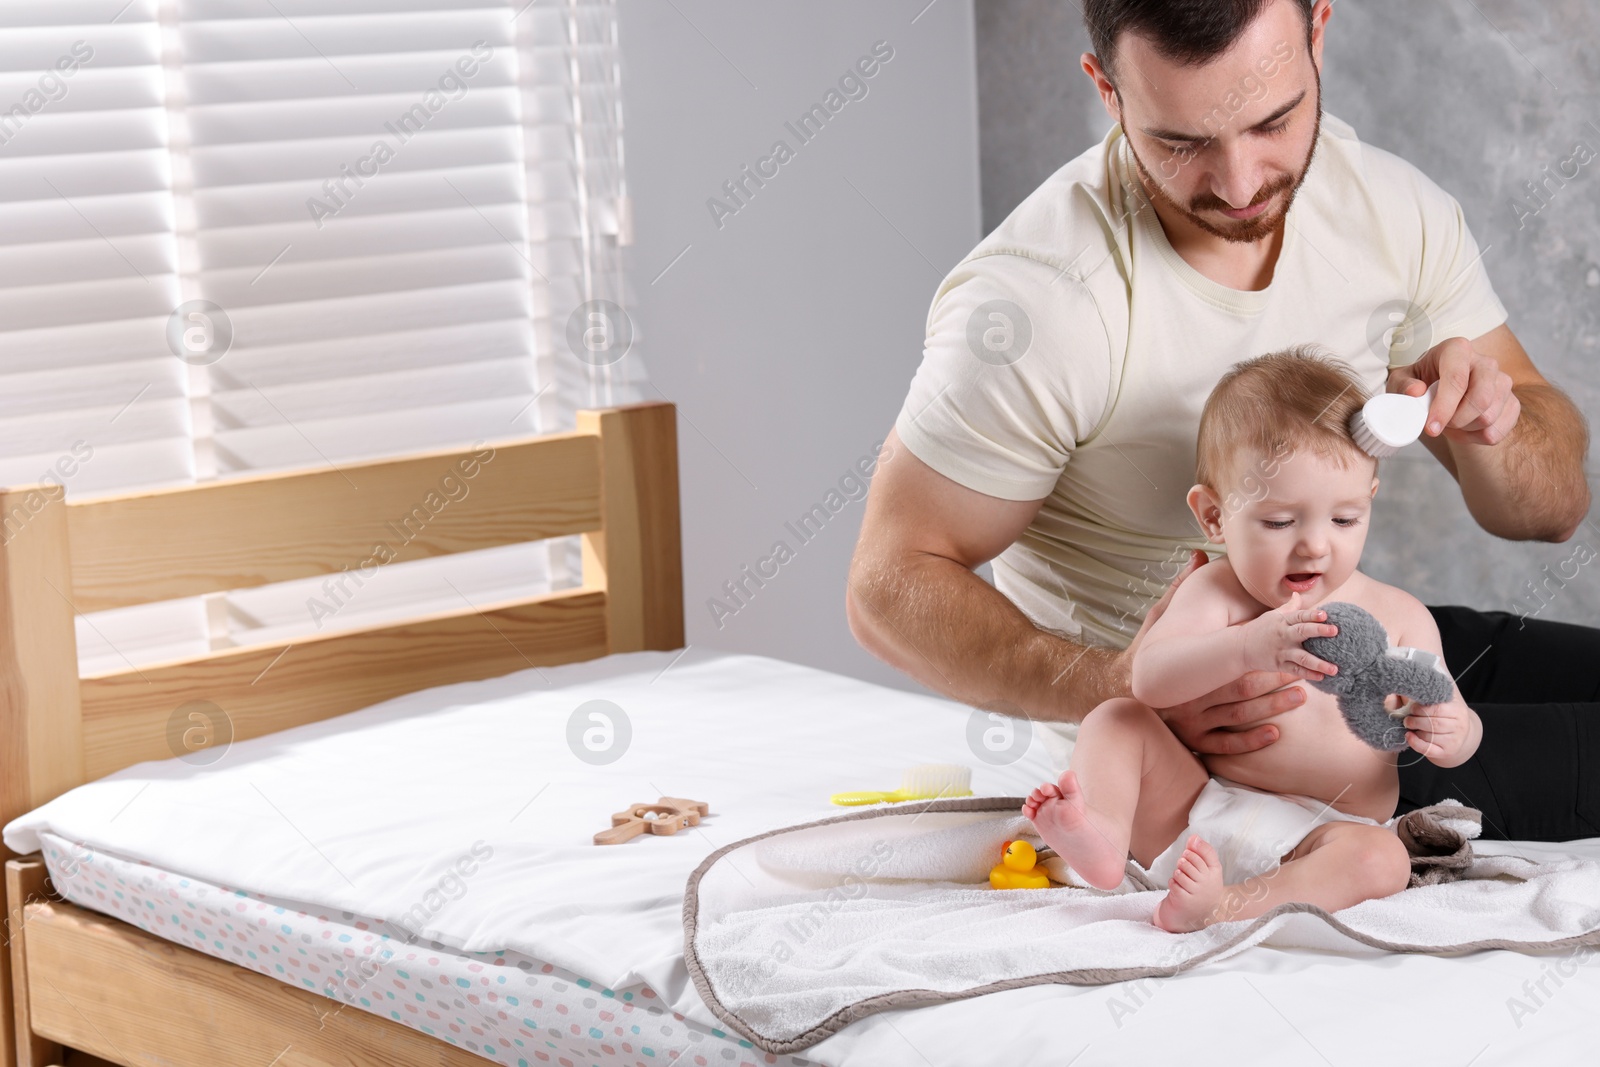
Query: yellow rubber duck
[1018, 868]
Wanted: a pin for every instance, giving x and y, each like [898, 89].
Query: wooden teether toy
[666, 816]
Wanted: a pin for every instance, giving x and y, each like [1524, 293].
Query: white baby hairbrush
[1390, 421]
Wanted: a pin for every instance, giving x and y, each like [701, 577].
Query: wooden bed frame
[78, 980]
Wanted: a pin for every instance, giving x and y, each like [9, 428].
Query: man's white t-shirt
[1068, 357]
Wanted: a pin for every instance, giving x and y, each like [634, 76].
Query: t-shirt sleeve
[1454, 297]
[1015, 372]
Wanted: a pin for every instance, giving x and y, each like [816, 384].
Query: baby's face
[1296, 524]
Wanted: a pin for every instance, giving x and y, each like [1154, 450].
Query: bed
[612, 480]
[164, 921]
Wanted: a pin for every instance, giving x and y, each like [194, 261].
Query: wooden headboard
[614, 480]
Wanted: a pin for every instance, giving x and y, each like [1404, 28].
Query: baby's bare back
[1316, 755]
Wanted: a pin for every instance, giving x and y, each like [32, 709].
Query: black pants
[1536, 686]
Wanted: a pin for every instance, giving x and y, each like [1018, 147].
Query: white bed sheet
[369, 812]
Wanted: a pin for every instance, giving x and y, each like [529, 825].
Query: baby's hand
[1272, 641]
[1447, 734]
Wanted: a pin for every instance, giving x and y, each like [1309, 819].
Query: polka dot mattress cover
[504, 1006]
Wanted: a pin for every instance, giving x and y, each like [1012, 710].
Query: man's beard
[1241, 231]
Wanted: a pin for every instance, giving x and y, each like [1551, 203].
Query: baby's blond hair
[1293, 400]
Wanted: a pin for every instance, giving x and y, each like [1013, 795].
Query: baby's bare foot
[1194, 891]
[1058, 811]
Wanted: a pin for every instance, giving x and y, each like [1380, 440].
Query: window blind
[90, 397]
[268, 234]
[572, 99]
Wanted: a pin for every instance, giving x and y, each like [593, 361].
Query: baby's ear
[1207, 511]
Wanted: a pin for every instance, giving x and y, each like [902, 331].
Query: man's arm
[914, 601]
[1525, 485]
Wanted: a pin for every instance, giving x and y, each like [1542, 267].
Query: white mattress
[504, 1006]
[372, 817]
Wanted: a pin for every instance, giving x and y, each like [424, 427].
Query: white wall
[788, 336]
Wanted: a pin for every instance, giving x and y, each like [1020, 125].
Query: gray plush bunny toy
[1370, 671]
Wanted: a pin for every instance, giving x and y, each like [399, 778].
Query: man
[1051, 426]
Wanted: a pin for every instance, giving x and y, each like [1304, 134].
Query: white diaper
[1249, 828]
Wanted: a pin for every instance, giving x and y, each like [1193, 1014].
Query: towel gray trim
[914, 998]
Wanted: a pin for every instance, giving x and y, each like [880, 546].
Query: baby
[1308, 818]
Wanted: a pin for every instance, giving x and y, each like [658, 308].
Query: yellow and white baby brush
[927, 781]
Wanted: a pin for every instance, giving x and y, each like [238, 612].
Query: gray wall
[1482, 107]
[788, 336]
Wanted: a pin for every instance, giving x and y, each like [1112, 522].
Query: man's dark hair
[1188, 31]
